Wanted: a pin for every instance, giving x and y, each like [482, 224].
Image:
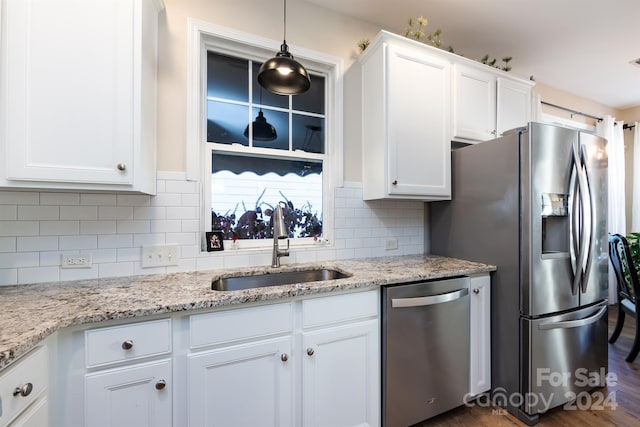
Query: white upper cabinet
[79, 94]
[406, 137]
[487, 102]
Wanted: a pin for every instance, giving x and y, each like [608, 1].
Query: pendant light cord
[285, 22]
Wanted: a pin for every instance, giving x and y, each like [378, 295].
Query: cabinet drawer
[32, 369]
[127, 342]
[339, 308]
[236, 325]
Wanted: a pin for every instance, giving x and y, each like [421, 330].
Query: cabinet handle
[284, 357]
[310, 351]
[476, 291]
[160, 385]
[23, 391]
[493, 132]
[127, 345]
[121, 166]
[395, 182]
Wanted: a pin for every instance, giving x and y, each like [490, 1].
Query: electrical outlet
[159, 256]
[390, 244]
[76, 261]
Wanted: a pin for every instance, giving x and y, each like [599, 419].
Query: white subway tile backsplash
[29, 213]
[38, 274]
[36, 229]
[134, 226]
[115, 241]
[86, 213]
[149, 212]
[37, 243]
[8, 212]
[97, 227]
[57, 228]
[60, 199]
[7, 244]
[19, 228]
[19, 259]
[79, 273]
[78, 242]
[133, 200]
[115, 212]
[98, 199]
[19, 198]
[8, 276]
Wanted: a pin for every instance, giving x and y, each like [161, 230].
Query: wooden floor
[626, 393]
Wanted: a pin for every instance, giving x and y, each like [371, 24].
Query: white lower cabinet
[244, 385]
[24, 389]
[323, 369]
[339, 376]
[127, 373]
[480, 331]
[137, 395]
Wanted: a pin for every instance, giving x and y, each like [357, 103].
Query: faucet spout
[279, 233]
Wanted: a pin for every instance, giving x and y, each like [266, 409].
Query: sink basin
[275, 279]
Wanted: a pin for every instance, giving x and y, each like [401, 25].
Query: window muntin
[300, 146]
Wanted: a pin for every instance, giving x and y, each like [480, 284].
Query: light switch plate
[159, 256]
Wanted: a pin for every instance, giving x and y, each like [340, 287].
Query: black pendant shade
[262, 130]
[282, 74]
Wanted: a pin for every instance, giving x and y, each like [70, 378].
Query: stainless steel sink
[236, 283]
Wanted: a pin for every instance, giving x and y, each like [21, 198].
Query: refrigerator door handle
[574, 323]
[576, 221]
[430, 300]
[589, 226]
[573, 226]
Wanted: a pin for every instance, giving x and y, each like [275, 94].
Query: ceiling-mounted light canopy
[282, 74]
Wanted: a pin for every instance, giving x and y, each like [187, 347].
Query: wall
[36, 228]
[630, 116]
[308, 26]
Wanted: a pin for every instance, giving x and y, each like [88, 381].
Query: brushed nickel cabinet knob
[23, 391]
[310, 351]
[121, 166]
[127, 345]
[284, 357]
[160, 385]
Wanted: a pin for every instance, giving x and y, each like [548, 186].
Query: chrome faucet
[279, 233]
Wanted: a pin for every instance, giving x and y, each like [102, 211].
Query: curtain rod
[626, 126]
[571, 111]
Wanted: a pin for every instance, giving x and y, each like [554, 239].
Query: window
[260, 148]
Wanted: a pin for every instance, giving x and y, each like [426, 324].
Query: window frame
[203, 37]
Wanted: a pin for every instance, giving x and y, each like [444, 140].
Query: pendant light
[262, 129]
[282, 74]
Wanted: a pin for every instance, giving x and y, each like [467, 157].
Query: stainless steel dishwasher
[425, 349]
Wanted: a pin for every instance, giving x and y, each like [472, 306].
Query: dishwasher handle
[430, 300]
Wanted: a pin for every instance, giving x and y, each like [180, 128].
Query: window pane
[245, 190]
[268, 98]
[226, 123]
[311, 101]
[308, 133]
[279, 121]
[227, 77]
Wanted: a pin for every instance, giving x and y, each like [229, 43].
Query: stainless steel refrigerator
[534, 203]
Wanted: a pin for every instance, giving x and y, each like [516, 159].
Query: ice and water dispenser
[555, 224]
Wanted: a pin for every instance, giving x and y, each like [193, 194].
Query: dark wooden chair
[628, 289]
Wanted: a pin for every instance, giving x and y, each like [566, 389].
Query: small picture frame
[215, 241]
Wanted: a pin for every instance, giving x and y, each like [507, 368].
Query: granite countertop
[30, 313]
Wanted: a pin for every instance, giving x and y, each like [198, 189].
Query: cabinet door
[341, 376]
[69, 102]
[514, 105]
[244, 385]
[138, 395]
[480, 348]
[474, 104]
[418, 128]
